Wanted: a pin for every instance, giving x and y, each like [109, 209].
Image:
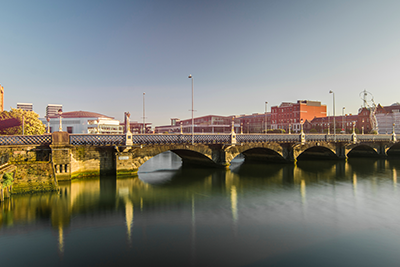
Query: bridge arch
[317, 152]
[363, 150]
[260, 152]
[394, 150]
[130, 159]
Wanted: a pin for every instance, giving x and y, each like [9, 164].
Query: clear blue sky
[101, 56]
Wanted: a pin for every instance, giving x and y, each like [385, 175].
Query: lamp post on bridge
[48, 124]
[343, 120]
[191, 77]
[334, 122]
[265, 118]
[59, 114]
[144, 118]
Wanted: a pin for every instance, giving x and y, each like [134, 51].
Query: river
[314, 213]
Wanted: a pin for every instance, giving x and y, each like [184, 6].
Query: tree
[32, 124]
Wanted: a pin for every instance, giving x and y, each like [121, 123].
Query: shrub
[7, 180]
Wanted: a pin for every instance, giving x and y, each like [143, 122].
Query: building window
[69, 129]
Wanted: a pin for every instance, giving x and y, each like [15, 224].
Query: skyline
[101, 56]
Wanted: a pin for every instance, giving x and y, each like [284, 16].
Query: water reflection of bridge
[137, 200]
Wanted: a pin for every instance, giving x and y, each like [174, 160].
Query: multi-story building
[255, 123]
[292, 114]
[83, 122]
[137, 127]
[1, 98]
[387, 116]
[52, 109]
[25, 106]
[344, 124]
[204, 124]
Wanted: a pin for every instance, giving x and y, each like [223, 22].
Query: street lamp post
[191, 77]
[343, 120]
[334, 122]
[59, 114]
[48, 124]
[144, 118]
[265, 118]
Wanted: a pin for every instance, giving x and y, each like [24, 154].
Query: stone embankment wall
[33, 172]
[92, 161]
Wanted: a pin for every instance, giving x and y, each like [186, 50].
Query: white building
[386, 118]
[25, 106]
[52, 109]
[84, 122]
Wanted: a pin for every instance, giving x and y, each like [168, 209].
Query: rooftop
[82, 114]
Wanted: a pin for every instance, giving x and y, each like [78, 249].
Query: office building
[25, 106]
[52, 109]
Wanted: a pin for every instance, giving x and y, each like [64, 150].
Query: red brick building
[291, 114]
[344, 124]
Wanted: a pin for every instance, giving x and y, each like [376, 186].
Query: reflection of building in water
[394, 177]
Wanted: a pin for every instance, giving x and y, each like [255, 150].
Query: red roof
[82, 114]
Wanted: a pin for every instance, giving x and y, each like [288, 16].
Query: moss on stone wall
[33, 177]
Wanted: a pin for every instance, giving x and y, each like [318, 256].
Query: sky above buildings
[101, 56]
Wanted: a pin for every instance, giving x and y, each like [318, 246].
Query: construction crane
[369, 103]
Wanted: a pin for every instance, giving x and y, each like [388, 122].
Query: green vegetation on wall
[7, 180]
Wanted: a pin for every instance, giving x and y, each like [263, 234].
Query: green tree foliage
[7, 180]
[33, 126]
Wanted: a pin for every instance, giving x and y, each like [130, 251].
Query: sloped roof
[82, 114]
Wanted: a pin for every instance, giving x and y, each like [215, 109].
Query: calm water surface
[317, 213]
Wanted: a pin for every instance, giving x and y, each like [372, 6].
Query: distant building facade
[1, 98]
[25, 106]
[344, 124]
[84, 122]
[137, 127]
[254, 123]
[204, 124]
[52, 110]
[290, 115]
[386, 117]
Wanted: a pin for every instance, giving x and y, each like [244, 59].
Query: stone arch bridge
[85, 154]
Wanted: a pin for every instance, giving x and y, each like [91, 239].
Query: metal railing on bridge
[97, 139]
[160, 139]
[8, 140]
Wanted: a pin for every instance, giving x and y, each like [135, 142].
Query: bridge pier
[288, 153]
[341, 151]
[218, 155]
[61, 156]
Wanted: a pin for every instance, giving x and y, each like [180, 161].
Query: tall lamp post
[144, 117]
[59, 114]
[191, 77]
[334, 122]
[343, 120]
[265, 118]
[48, 124]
